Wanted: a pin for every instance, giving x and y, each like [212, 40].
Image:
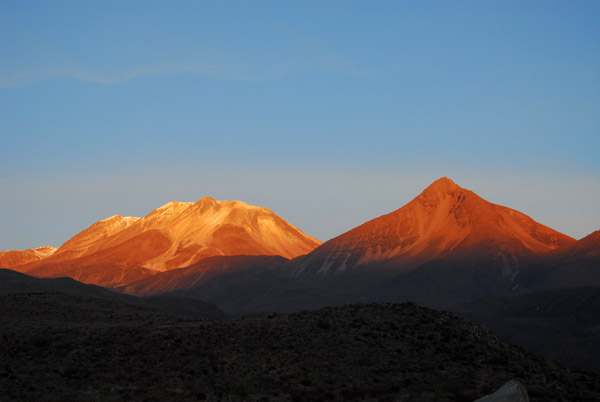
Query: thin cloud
[94, 77]
[236, 69]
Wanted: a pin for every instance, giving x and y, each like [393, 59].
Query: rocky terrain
[57, 347]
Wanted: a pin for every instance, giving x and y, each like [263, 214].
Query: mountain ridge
[16, 258]
[445, 235]
[119, 250]
[441, 221]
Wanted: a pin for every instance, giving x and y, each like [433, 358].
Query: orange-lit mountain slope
[444, 222]
[16, 258]
[175, 235]
[92, 238]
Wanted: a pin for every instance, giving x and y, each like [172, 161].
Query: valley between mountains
[447, 249]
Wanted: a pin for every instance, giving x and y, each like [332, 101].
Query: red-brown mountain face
[16, 258]
[175, 235]
[444, 222]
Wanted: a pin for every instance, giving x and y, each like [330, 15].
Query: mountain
[444, 222]
[121, 250]
[179, 234]
[12, 282]
[16, 258]
[576, 265]
[447, 245]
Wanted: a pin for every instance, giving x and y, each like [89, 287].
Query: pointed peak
[443, 183]
[439, 189]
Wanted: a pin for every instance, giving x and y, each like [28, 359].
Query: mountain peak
[438, 190]
[444, 221]
[443, 184]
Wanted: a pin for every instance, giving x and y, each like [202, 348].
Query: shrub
[323, 323]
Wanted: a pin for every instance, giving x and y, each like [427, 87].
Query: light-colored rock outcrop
[512, 391]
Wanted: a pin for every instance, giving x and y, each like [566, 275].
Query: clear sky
[329, 112]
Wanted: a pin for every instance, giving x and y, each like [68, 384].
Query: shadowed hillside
[12, 282]
[58, 347]
[561, 323]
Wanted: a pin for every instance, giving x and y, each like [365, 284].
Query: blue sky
[330, 112]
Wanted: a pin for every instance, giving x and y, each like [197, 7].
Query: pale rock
[512, 391]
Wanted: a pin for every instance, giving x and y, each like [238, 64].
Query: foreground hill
[12, 282]
[59, 347]
[121, 250]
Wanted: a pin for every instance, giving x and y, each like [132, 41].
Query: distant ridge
[120, 250]
[16, 258]
[12, 282]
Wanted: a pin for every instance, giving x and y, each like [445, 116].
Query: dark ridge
[57, 347]
[559, 323]
[12, 282]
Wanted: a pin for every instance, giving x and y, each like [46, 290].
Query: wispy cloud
[143, 71]
[101, 78]
[233, 68]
